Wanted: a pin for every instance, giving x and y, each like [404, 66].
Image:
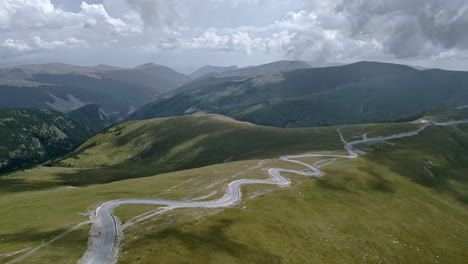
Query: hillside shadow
[377, 181]
[214, 239]
[326, 183]
[72, 243]
[35, 236]
[416, 164]
[30, 235]
[21, 185]
[368, 178]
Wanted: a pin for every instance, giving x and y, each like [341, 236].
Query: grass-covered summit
[148, 147]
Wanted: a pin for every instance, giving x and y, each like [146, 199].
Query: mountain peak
[105, 67]
[377, 64]
[147, 66]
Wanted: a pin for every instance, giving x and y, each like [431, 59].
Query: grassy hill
[149, 147]
[364, 92]
[403, 201]
[30, 136]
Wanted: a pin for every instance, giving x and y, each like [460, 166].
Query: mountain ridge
[319, 96]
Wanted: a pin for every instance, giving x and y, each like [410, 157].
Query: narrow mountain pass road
[104, 248]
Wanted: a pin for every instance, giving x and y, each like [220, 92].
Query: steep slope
[362, 92]
[91, 116]
[28, 136]
[208, 70]
[65, 87]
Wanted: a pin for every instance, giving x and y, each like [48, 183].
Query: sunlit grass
[381, 207]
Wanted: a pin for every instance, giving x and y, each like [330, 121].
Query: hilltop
[148, 147]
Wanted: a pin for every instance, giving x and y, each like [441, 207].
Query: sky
[185, 34]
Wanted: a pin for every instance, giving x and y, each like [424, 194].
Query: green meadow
[404, 201]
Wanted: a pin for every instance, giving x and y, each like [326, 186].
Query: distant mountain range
[361, 92]
[282, 93]
[118, 91]
[65, 87]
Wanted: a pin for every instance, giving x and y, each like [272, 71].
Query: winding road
[103, 248]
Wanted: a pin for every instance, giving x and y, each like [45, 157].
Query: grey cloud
[155, 13]
[407, 28]
[253, 31]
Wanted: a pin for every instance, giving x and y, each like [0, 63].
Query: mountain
[248, 72]
[315, 64]
[363, 92]
[205, 70]
[61, 68]
[69, 92]
[21, 75]
[240, 74]
[92, 116]
[160, 79]
[29, 136]
[118, 91]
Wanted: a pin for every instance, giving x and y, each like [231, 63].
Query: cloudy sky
[187, 33]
